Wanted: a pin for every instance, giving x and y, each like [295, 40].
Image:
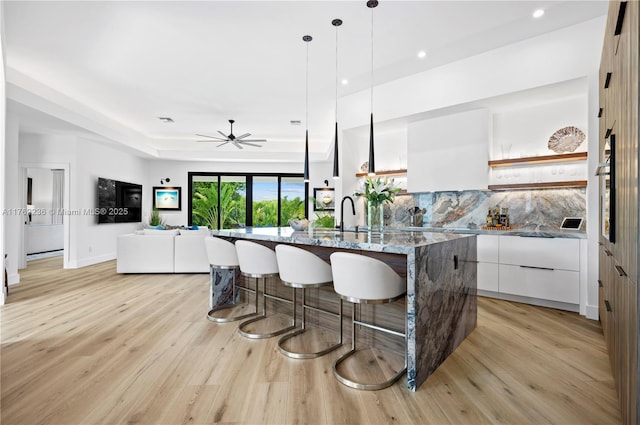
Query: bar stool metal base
[360, 385]
[253, 335]
[211, 314]
[303, 329]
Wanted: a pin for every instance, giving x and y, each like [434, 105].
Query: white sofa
[162, 251]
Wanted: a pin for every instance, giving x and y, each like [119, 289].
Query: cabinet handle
[600, 283]
[607, 305]
[600, 113]
[537, 268]
[620, 270]
[609, 254]
[620, 20]
[607, 80]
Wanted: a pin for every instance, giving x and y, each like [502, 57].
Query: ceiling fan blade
[209, 137]
[222, 144]
[250, 144]
[243, 136]
[236, 144]
[223, 135]
[253, 140]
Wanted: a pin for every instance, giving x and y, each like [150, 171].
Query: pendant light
[371, 4]
[336, 172]
[307, 39]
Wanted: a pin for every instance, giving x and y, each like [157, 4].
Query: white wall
[13, 200]
[524, 131]
[2, 140]
[89, 243]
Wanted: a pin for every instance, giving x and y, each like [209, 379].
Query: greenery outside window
[235, 200]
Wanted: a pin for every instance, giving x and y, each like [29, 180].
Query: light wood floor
[89, 346]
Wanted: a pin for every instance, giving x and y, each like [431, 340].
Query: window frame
[249, 192]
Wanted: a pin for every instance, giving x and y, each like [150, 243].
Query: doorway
[46, 199]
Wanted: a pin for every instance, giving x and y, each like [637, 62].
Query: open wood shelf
[565, 157]
[542, 185]
[401, 172]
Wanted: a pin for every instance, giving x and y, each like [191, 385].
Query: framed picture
[325, 198]
[167, 198]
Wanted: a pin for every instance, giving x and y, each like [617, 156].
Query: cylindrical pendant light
[307, 39]
[371, 4]
[336, 171]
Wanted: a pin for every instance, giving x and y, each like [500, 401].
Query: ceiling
[205, 62]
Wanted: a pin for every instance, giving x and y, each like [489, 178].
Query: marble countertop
[392, 240]
[527, 231]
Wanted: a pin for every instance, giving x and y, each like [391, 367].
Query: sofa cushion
[199, 232]
[160, 232]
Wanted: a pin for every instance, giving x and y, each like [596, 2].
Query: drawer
[488, 276]
[554, 285]
[553, 253]
[488, 248]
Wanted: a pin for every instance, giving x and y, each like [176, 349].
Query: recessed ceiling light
[422, 54]
[344, 81]
[165, 119]
[538, 13]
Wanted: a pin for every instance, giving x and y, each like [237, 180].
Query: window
[230, 200]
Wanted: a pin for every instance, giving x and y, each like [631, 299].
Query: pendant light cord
[306, 119]
[336, 73]
[372, 60]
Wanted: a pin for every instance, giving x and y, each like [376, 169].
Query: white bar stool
[259, 262]
[300, 268]
[222, 256]
[364, 280]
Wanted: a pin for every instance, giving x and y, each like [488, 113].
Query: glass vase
[375, 217]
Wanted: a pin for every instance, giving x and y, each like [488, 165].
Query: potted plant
[377, 192]
[155, 219]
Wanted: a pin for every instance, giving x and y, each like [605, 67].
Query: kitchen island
[441, 273]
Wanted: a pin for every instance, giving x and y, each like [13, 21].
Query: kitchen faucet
[353, 208]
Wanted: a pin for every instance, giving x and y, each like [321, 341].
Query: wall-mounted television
[119, 202]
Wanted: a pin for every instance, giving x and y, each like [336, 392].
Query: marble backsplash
[541, 210]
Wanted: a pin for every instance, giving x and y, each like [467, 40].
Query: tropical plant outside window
[232, 204]
[239, 207]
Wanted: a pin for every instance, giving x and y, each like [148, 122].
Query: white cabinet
[548, 284]
[449, 152]
[543, 271]
[488, 262]
[554, 253]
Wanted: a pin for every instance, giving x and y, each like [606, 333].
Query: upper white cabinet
[449, 152]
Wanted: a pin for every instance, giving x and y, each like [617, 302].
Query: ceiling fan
[236, 141]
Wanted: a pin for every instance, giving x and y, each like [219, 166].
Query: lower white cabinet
[488, 277]
[488, 246]
[543, 271]
[548, 284]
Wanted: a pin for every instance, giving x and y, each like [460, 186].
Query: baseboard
[84, 262]
[13, 279]
[533, 301]
[593, 312]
